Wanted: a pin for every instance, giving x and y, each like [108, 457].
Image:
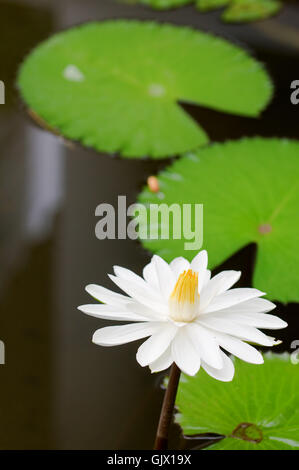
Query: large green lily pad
[258, 410]
[115, 85]
[250, 194]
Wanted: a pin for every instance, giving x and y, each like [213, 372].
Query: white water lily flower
[189, 317]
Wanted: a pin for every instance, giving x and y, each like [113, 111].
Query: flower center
[184, 299]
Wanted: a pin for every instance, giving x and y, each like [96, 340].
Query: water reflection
[44, 182]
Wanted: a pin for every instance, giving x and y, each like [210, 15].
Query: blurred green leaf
[258, 410]
[165, 4]
[115, 85]
[249, 192]
[237, 10]
[250, 10]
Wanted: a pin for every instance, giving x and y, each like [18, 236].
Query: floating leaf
[115, 85]
[258, 410]
[250, 193]
[250, 10]
[237, 10]
[165, 4]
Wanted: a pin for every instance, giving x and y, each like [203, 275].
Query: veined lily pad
[250, 193]
[258, 410]
[115, 85]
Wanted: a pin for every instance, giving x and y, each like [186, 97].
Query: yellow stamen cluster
[184, 300]
[185, 288]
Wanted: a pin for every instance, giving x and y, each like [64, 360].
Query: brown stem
[167, 409]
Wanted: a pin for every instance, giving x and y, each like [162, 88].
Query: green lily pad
[165, 4]
[238, 11]
[250, 10]
[115, 85]
[249, 191]
[258, 410]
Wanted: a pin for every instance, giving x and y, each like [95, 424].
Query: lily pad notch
[115, 85]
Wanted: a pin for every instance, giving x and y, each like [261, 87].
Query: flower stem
[166, 415]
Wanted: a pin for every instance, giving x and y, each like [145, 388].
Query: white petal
[146, 312]
[207, 277]
[116, 335]
[244, 332]
[225, 280]
[105, 295]
[232, 297]
[240, 349]
[217, 285]
[179, 265]
[199, 264]
[200, 261]
[226, 374]
[156, 345]
[184, 353]
[143, 294]
[165, 275]
[163, 362]
[205, 343]
[150, 275]
[110, 313]
[257, 305]
[257, 320]
[126, 274]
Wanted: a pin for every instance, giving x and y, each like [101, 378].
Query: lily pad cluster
[258, 410]
[116, 85]
[236, 11]
[249, 192]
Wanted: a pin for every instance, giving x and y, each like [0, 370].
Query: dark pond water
[58, 390]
